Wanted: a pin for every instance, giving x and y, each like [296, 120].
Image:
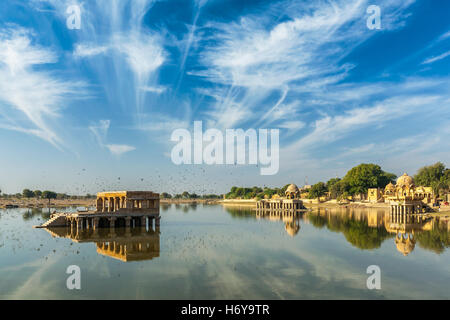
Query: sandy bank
[43, 203]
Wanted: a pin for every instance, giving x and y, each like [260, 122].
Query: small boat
[11, 206]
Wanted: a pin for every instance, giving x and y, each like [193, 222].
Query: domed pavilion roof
[292, 189]
[390, 187]
[405, 181]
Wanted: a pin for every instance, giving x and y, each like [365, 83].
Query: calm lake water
[212, 252]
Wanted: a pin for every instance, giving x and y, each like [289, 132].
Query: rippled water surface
[212, 252]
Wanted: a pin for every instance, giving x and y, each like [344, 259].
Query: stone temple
[114, 209]
[291, 201]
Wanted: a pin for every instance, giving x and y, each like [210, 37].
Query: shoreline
[189, 201]
[43, 203]
[309, 204]
[248, 203]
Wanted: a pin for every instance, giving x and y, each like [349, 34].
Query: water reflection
[37, 212]
[365, 229]
[291, 219]
[124, 244]
[183, 207]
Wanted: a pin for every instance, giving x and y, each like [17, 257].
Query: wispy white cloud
[304, 50]
[100, 131]
[446, 35]
[292, 125]
[116, 29]
[385, 110]
[190, 38]
[154, 89]
[119, 149]
[331, 128]
[31, 99]
[88, 50]
[437, 58]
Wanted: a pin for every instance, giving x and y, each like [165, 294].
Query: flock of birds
[194, 179]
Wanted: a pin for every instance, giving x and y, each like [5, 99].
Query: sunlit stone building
[405, 197]
[291, 201]
[114, 209]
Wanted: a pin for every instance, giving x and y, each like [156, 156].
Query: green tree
[428, 175]
[185, 195]
[332, 187]
[318, 190]
[435, 176]
[27, 193]
[332, 182]
[339, 190]
[166, 195]
[37, 193]
[365, 176]
[49, 195]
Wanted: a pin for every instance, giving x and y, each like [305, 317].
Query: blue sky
[93, 109]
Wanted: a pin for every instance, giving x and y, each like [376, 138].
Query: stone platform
[114, 209]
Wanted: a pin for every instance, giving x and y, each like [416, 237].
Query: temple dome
[405, 181]
[292, 188]
[390, 187]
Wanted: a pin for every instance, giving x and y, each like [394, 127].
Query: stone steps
[56, 221]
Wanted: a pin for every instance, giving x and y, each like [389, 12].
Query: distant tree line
[255, 192]
[38, 194]
[187, 196]
[356, 181]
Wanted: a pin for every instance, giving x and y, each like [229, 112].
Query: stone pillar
[128, 222]
[99, 204]
[158, 221]
[130, 204]
[95, 223]
[112, 222]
